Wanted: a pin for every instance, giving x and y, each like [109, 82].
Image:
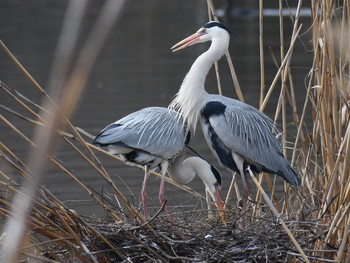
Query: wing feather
[247, 132]
[156, 130]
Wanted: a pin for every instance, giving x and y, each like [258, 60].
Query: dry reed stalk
[328, 92]
[61, 167]
[325, 151]
[53, 231]
[237, 87]
[46, 136]
[43, 224]
[285, 61]
[286, 71]
[212, 16]
[284, 77]
[104, 175]
[283, 73]
[19, 101]
[278, 216]
[261, 52]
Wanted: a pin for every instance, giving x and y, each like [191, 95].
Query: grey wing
[155, 130]
[248, 132]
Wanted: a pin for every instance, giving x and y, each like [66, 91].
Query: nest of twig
[179, 238]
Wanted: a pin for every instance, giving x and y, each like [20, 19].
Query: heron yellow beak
[219, 203]
[189, 41]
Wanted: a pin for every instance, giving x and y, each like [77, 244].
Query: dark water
[135, 69]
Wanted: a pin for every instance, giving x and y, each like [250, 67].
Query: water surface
[135, 69]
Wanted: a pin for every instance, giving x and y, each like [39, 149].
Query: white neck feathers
[184, 170]
[192, 95]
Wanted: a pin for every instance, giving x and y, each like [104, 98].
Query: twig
[151, 219]
[284, 62]
[314, 258]
[278, 216]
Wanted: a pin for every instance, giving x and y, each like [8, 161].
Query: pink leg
[246, 193]
[144, 193]
[162, 199]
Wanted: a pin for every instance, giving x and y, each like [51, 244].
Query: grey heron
[239, 135]
[155, 138]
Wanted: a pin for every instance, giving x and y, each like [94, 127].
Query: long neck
[192, 95]
[184, 170]
[180, 172]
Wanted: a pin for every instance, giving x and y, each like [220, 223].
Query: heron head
[208, 32]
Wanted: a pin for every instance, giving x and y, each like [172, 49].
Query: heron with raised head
[156, 138]
[239, 135]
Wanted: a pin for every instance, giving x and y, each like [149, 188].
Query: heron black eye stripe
[214, 24]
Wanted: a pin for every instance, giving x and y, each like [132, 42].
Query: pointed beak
[189, 41]
[219, 203]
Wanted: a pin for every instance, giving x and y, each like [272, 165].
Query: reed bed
[310, 224]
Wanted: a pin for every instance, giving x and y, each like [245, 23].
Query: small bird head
[208, 32]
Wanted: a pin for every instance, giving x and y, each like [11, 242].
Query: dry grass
[309, 225]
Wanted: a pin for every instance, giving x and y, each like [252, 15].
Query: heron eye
[203, 30]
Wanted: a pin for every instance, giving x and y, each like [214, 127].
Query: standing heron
[156, 138]
[238, 134]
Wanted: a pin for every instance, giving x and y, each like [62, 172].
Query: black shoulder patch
[188, 137]
[216, 174]
[213, 108]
